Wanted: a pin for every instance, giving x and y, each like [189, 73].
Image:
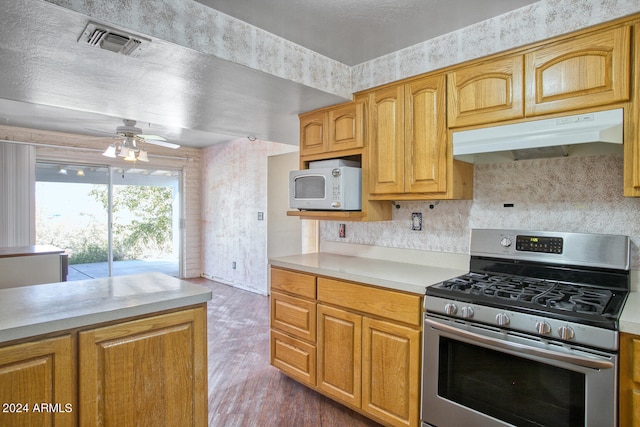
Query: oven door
[479, 375]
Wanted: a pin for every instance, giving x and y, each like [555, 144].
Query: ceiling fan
[131, 136]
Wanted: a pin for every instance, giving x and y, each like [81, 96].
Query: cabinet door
[151, 371]
[313, 133]
[584, 72]
[295, 316]
[629, 407]
[387, 141]
[391, 372]
[425, 136]
[632, 130]
[38, 373]
[346, 126]
[294, 357]
[339, 354]
[486, 93]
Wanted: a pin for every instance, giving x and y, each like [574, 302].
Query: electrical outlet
[342, 231]
[233, 265]
[416, 221]
[260, 216]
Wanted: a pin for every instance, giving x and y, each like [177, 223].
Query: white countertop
[401, 276]
[41, 309]
[630, 318]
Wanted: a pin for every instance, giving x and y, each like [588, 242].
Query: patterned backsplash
[572, 194]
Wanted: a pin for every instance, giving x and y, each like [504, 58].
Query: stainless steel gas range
[529, 337]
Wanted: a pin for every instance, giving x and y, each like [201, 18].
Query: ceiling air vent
[118, 41]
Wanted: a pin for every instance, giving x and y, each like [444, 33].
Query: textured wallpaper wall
[234, 190]
[576, 194]
[538, 21]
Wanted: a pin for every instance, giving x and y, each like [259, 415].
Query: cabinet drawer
[296, 283]
[293, 315]
[293, 357]
[391, 304]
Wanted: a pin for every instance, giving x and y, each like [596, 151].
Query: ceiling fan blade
[152, 137]
[161, 143]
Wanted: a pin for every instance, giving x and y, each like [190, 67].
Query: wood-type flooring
[244, 389]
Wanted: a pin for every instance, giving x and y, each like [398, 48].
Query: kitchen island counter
[34, 310]
[395, 275]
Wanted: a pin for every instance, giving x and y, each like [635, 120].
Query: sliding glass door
[111, 221]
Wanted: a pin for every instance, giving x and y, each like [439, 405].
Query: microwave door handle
[576, 360]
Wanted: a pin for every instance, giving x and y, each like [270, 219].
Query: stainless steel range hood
[541, 138]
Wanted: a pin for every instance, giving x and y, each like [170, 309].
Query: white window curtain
[17, 194]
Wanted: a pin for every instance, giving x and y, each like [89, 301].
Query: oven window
[309, 187]
[513, 389]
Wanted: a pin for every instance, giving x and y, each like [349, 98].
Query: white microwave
[338, 189]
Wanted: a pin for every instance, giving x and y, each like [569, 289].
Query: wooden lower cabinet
[38, 383]
[366, 352]
[339, 354]
[391, 372]
[294, 357]
[629, 393]
[151, 371]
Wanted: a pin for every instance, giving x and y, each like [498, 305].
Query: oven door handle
[576, 360]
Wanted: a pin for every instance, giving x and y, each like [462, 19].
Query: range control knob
[450, 309]
[466, 312]
[505, 242]
[566, 333]
[502, 319]
[543, 328]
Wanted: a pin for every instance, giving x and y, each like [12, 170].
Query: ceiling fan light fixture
[124, 151]
[111, 151]
[142, 155]
[131, 156]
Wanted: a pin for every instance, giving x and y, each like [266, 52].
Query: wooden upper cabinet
[313, 133]
[584, 72]
[632, 130]
[408, 152]
[425, 136]
[485, 93]
[387, 141]
[332, 129]
[346, 127]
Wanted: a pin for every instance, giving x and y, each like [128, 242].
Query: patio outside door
[111, 221]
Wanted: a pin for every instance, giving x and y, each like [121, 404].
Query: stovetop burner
[568, 277]
[536, 292]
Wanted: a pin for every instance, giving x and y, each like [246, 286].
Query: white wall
[234, 190]
[284, 233]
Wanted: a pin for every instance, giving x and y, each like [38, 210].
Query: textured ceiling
[187, 85]
[355, 31]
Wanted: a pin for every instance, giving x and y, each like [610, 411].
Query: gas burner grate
[538, 292]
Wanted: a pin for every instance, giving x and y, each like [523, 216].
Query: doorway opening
[111, 221]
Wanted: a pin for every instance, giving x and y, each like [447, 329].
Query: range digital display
[549, 245]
